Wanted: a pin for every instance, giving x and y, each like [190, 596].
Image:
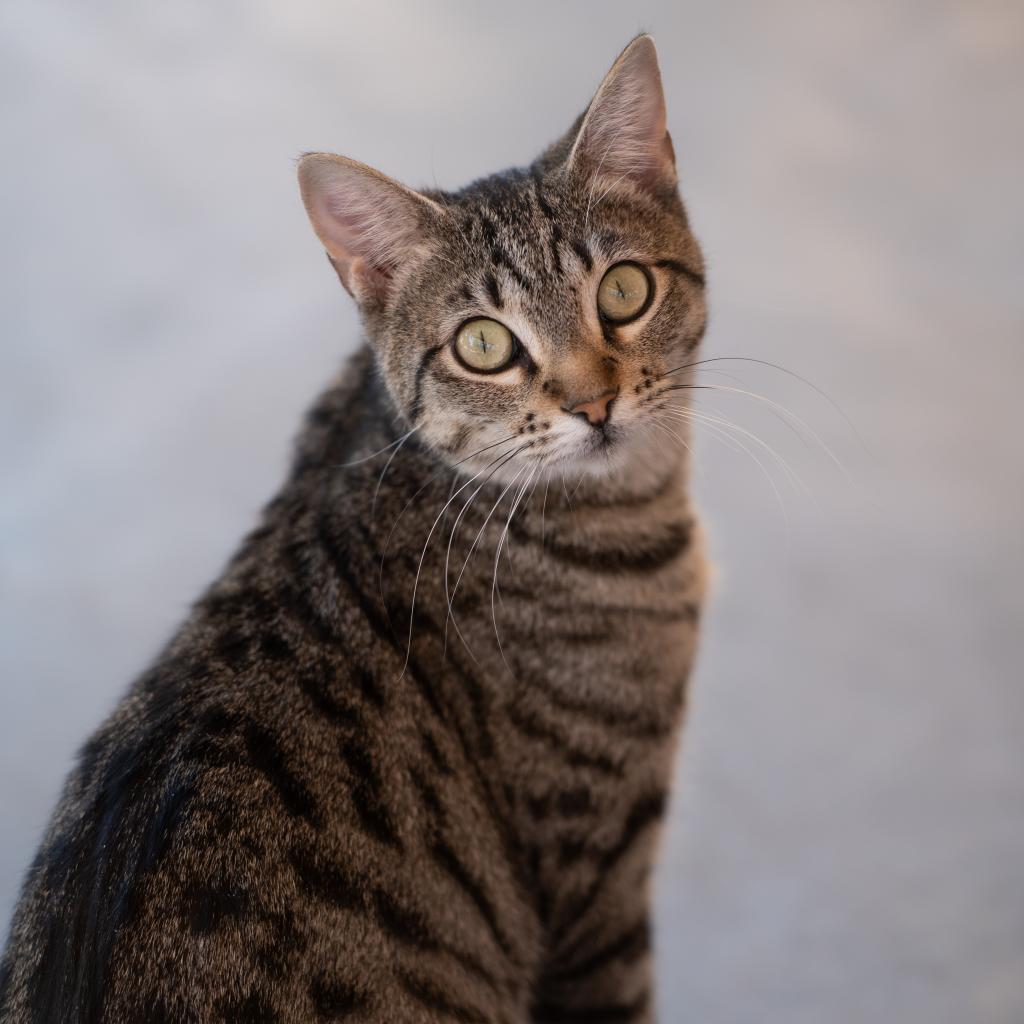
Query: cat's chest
[603, 601]
[593, 636]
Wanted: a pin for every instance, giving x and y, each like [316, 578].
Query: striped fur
[407, 758]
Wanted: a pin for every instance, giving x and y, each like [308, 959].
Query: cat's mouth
[600, 445]
[603, 439]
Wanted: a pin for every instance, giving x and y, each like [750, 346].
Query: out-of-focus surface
[847, 842]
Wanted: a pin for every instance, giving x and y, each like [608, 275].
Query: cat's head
[535, 311]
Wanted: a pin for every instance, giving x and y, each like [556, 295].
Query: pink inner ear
[368, 223]
[624, 134]
[356, 241]
[349, 223]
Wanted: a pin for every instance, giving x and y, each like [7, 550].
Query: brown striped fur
[343, 793]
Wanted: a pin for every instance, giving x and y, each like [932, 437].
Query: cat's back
[174, 824]
[256, 828]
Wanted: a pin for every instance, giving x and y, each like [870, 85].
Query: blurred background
[847, 836]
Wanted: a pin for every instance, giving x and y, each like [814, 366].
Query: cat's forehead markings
[493, 291]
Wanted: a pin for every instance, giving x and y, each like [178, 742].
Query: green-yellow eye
[484, 345]
[623, 293]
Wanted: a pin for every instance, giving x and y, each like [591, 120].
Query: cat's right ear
[623, 135]
[368, 223]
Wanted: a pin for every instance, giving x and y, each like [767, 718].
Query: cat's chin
[601, 455]
[618, 454]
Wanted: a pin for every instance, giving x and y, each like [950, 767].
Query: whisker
[781, 369]
[408, 504]
[398, 441]
[472, 548]
[543, 512]
[451, 538]
[725, 430]
[497, 559]
[787, 416]
[737, 445]
[423, 555]
[664, 408]
[387, 466]
[794, 478]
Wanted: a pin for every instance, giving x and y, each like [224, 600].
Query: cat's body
[311, 807]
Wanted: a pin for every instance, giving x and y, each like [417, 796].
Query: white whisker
[367, 458]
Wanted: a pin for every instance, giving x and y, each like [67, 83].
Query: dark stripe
[502, 259]
[438, 1001]
[295, 601]
[474, 690]
[645, 556]
[627, 947]
[574, 911]
[682, 269]
[326, 882]
[623, 720]
[610, 337]
[372, 613]
[542, 203]
[208, 906]
[646, 811]
[282, 942]
[253, 1009]
[556, 248]
[609, 1013]
[367, 798]
[458, 442]
[407, 926]
[334, 999]
[403, 923]
[493, 293]
[267, 758]
[428, 795]
[580, 248]
[509, 839]
[572, 803]
[435, 752]
[556, 231]
[570, 851]
[232, 645]
[568, 803]
[275, 647]
[599, 500]
[558, 741]
[447, 860]
[313, 686]
[686, 612]
[368, 685]
[421, 370]
[499, 254]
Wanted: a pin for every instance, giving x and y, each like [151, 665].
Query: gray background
[847, 840]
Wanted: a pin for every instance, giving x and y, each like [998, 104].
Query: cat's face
[527, 321]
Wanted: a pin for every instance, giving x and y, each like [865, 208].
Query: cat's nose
[595, 410]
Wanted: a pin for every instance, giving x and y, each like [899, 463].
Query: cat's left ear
[369, 223]
[624, 134]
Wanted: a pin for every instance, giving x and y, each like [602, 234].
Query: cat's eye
[485, 345]
[624, 293]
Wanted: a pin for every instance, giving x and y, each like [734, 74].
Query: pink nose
[596, 410]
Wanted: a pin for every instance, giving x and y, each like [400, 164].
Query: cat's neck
[355, 442]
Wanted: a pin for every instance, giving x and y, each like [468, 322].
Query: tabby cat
[407, 758]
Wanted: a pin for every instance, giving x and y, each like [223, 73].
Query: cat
[407, 758]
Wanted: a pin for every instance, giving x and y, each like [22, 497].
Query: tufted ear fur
[369, 223]
[623, 134]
